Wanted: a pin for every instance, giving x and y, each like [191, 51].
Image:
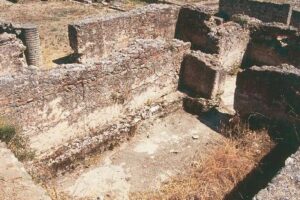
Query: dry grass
[52, 18]
[213, 176]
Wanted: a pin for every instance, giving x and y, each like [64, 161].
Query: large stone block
[270, 91]
[96, 37]
[202, 75]
[12, 59]
[194, 25]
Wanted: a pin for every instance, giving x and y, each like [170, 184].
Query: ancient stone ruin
[140, 71]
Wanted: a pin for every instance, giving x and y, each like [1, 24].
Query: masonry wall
[295, 19]
[74, 100]
[273, 45]
[194, 25]
[265, 11]
[12, 59]
[269, 91]
[209, 34]
[97, 37]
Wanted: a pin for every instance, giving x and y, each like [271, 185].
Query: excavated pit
[142, 115]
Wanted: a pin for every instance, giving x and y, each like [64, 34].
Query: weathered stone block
[12, 59]
[194, 25]
[270, 91]
[202, 75]
[96, 37]
[233, 42]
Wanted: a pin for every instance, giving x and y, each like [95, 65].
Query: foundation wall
[265, 11]
[74, 100]
[273, 45]
[269, 91]
[209, 34]
[96, 37]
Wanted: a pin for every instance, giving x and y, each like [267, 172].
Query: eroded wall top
[96, 37]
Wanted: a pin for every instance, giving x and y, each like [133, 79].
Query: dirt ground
[52, 18]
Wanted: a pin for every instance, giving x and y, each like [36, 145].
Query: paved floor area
[162, 148]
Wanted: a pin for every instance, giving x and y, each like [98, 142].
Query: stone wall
[265, 11]
[273, 44]
[96, 37]
[295, 19]
[209, 34]
[285, 185]
[194, 25]
[269, 91]
[70, 101]
[12, 59]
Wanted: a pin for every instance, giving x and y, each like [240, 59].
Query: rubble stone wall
[210, 35]
[96, 37]
[52, 106]
[285, 185]
[270, 91]
[12, 59]
[273, 45]
[265, 11]
[295, 19]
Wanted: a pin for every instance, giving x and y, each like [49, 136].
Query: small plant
[16, 143]
[7, 132]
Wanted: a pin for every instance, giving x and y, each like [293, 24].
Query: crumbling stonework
[295, 19]
[273, 44]
[194, 25]
[107, 137]
[210, 35]
[269, 91]
[286, 184]
[12, 59]
[202, 75]
[266, 11]
[28, 35]
[96, 37]
[55, 105]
